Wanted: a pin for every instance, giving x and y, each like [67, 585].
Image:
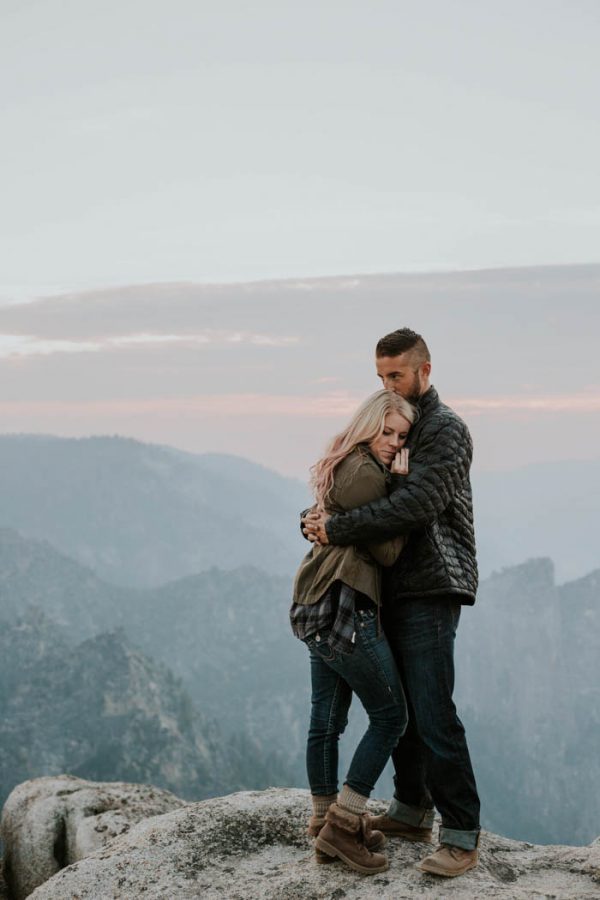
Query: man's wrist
[326, 529]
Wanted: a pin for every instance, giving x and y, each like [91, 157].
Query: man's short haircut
[402, 341]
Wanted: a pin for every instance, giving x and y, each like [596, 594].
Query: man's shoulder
[441, 416]
[448, 416]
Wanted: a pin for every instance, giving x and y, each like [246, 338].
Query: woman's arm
[359, 482]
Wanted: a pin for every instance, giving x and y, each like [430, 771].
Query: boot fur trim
[343, 819]
[315, 823]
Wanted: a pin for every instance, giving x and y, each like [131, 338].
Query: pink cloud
[328, 406]
[23, 345]
[581, 402]
[332, 405]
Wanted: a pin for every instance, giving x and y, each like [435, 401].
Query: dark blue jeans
[431, 761]
[370, 672]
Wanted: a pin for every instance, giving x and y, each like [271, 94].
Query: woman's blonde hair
[365, 426]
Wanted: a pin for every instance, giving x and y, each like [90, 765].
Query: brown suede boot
[343, 836]
[394, 828]
[374, 840]
[449, 861]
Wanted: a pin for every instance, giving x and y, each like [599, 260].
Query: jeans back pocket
[320, 645]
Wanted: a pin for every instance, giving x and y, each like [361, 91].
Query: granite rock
[253, 846]
[50, 823]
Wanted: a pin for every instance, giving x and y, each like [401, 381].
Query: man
[435, 574]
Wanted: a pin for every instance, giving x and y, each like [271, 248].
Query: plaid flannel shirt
[335, 611]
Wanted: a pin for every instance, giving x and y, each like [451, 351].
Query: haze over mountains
[141, 514]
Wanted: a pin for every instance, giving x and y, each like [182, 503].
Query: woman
[337, 594]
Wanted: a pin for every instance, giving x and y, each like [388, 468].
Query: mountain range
[101, 709]
[140, 514]
[143, 514]
[528, 676]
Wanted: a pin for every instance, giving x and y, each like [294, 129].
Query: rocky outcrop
[253, 846]
[50, 823]
[104, 711]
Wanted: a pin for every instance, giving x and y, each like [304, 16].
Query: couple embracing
[377, 602]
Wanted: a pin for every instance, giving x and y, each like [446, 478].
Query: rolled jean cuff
[466, 840]
[411, 815]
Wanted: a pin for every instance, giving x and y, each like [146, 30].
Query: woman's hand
[400, 463]
[313, 526]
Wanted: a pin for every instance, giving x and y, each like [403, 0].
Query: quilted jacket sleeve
[439, 470]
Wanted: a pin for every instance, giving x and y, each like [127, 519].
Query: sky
[153, 141]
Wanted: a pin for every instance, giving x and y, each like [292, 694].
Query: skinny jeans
[370, 672]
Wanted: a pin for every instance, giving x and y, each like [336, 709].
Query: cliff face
[103, 710]
[253, 845]
[528, 690]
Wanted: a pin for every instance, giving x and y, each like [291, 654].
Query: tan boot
[343, 836]
[374, 840]
[394, 828]
[449, 861]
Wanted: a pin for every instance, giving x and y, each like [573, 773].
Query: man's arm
[437, 472]
[363, 484]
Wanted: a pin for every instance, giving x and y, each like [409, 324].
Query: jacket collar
[428, 401]
[372, 456]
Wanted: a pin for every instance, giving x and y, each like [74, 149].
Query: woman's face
[392, 438]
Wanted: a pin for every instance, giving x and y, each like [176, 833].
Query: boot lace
[455, 852]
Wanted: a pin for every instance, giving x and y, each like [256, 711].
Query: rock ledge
[252, 846]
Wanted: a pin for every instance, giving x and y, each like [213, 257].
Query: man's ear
[426, 369]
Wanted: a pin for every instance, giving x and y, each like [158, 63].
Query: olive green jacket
[358, 479]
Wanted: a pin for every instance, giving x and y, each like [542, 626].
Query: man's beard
[414, 392]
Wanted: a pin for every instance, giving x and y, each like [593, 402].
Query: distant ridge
[143, 514]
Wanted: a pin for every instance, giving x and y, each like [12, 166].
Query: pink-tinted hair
[365, 426]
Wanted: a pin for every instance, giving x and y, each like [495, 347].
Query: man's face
[403, 375]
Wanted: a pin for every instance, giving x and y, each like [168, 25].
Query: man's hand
[400, 463]
[313, 526]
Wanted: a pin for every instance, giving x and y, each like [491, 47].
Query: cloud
[333, 405]
[324, 284]
[329, 406]
[586, 401]
[20, 345]
[28, 345]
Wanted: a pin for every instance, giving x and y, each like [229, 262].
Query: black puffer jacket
[432, 504]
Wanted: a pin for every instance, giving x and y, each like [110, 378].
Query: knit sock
[351, 801]
[322, 804]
